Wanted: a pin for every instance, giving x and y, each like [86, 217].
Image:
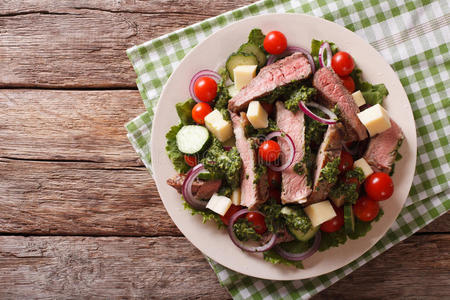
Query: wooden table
[79, 214]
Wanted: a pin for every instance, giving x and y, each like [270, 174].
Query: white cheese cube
[215, 123]
[358, 98]
[236, 196]
[320, 212]
[257, 115]
[219, 204]
[376, 119]
[232, 90]
[365, 167]
[243, 75]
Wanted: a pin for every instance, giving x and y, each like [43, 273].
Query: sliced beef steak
[329, 150]
[333, 92]
[252, 193]
[200, 189]
[284, 71]
[383, 148]
[295, 188]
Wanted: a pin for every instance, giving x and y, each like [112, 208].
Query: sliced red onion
[300, 256]
[290, 50]
[227, 148]
[187, 187]
[237, 242]
[332, 115]
[289, 157]
[203, 73]
[325, 47]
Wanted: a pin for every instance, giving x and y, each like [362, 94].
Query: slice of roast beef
[201, 189]
[295, 188]
[284, 71]
[383, 148]
[332, 92]
[329, 150]
[252, 193]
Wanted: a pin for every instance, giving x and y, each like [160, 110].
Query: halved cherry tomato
[366, 209]
[342, 63]
[269, 151]
[233, 208]
[348, 83]
[346, 161]
[274, 179]
[205, 88]
[200, 111]
[379, 186]
[258, 222]
[191, 160]
[275, 194]
[268, 107]
[336, 223]
[275, 42]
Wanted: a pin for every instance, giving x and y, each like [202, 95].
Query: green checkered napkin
[411, 36]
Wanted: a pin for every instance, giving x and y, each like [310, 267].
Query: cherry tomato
[205, 88]
[191, 160]
[336, 223]
[200, 111]
[342, 63]
[275, 194]
[366, 209]
[275, 42]
[346, 162]
[269, 151]
[274, 179]
[268, 107]
[379, 186]
[258, 222]
[233, 208]
[348, 83]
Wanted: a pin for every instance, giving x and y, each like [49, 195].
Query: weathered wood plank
[79, 199]
[106, 268]
[169, 267]
[83, 43]
[68, 125]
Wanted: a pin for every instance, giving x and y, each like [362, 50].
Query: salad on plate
[289, 149]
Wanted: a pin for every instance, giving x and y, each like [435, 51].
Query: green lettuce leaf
[274, 258]
[184, 111]
[174, 154]
[256, 37]
[372, 93]
[207, 215]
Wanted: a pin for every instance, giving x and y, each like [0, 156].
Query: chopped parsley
[304, 93]
[330, 172]
[244, 231]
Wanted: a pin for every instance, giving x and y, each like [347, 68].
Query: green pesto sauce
[330, 172]
[259, 170]
[244, 231]
[304, 93]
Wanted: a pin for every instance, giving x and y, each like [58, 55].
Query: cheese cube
[236, 196]
[243, 75]
[219, 204]
[215, 123]
[232, 90]
[358, 98]
[257, 115]
[362, 163]
[320, 212]
[376, 119]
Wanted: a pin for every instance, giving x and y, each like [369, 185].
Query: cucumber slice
[192, 139]
[349, 218]
[250, 48]
[301, 236]
[239, 59]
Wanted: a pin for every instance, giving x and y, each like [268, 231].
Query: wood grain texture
[104, 268]
[82, 43]
[68, 125]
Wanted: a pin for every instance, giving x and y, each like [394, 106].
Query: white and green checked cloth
[412, 36]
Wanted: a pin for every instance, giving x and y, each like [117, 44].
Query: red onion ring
[237, 242]
[203, 73]
[332, 115]
[325, 47]
[290, 50]
[187, 188]
[291, 145]
[300, 256]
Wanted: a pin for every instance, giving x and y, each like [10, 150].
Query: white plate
[211, 54]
